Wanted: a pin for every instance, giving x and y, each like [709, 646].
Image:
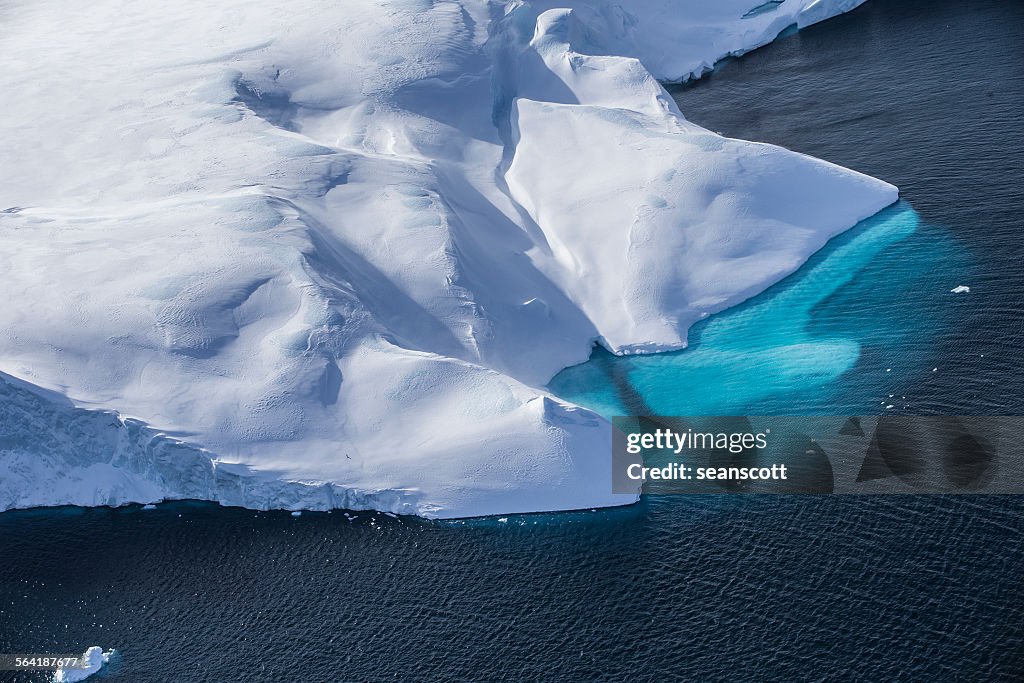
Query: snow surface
[94, 659]
[311, 255]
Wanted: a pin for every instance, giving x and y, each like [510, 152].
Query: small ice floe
[888, 406]
[935, 369]
[297, 513]
[91, 661]
[391, 514]
[888, 369]
[502, 519]
[149, 506]
[961, 289]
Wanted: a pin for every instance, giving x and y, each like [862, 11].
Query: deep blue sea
[927, 95]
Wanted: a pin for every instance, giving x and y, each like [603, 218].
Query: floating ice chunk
[149, 506]
[961, 289]
[297, 513]
[91, 661]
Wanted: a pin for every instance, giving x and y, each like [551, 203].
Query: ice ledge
[493, 452]
[678, 40]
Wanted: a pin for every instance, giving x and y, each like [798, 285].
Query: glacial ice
[93, 658]
[322, 255]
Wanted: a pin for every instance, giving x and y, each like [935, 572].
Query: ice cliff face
[314, 255]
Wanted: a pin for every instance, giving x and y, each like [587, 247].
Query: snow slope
[314, 255]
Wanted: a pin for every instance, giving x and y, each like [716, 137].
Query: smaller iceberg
[91, 661]
[961, 289]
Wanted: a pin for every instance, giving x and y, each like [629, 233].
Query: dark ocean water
[678, 588]
[927, 95]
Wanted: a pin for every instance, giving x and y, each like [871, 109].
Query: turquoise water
[887, 91]
[827, 338]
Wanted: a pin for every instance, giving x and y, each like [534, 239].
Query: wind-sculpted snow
[681, 39]
[314, 255]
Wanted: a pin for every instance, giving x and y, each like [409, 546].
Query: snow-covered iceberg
[308, 255]
[92, 660]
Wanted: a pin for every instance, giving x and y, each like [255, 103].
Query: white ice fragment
[297, 513]
[149, 506]
[91, 661]
[961, 289]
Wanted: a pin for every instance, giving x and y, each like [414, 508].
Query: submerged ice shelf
[331, 257]
[782, 350]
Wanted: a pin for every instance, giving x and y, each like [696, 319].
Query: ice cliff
[308, 255]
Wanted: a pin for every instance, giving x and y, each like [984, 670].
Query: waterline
[785, 350]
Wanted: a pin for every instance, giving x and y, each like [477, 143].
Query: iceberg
[309, 256]
[92, 660]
